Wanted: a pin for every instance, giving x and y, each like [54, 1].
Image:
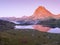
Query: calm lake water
[53, 30]
[24, 27]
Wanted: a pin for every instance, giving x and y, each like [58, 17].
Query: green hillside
[28, 37]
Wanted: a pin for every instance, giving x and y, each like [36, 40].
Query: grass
[28, 37]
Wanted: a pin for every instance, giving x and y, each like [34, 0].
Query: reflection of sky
[54, 30]
[24, 27]
[19, 8]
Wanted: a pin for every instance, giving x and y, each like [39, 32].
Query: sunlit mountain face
[42, 13]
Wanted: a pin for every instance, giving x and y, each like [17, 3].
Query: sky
[19, 8]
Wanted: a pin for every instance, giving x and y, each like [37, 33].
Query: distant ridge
[40, 13]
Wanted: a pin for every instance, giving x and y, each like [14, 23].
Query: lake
[52, 30]
[24, 27]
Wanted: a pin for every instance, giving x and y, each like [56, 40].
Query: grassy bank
[28, 37]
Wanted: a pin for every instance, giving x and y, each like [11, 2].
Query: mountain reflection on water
[39, 28]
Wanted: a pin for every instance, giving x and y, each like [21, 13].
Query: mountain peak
[42, 12]
[41, 8]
